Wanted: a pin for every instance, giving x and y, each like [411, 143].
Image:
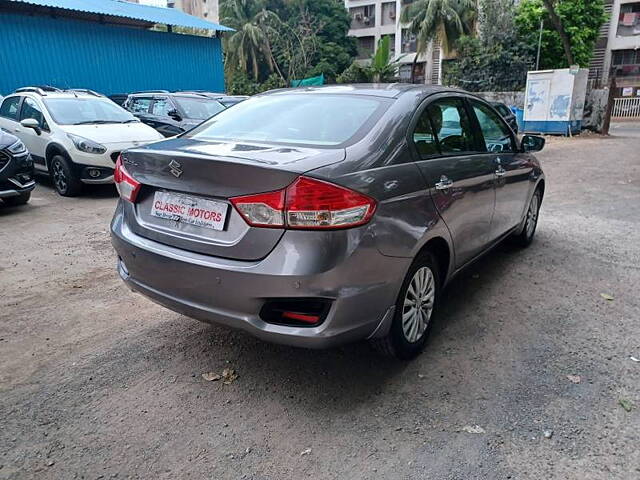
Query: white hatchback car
[74, 135]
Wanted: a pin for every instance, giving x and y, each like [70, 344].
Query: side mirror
[174, 114]
[532, 143]
[31, 123]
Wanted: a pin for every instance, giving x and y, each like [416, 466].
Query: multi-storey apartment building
[618, 48]
[372, 19]
[206, 9]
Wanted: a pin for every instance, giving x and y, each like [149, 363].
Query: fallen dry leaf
[229, 375]
[473, 429]
[211, 376]
[304, 452]
[574, 378]
[607, 297]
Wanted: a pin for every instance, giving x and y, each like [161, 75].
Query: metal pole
[539, 45]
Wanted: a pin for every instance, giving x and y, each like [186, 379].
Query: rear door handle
[444, 183]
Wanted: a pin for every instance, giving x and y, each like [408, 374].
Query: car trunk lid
[206, 175]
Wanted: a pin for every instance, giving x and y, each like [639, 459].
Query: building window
[629, 20]
[409, 43]
[363, 17]
[626, 63]
[389, 13]
[365, 47]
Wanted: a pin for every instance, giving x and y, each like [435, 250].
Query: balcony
[363, 17]
[629, 20]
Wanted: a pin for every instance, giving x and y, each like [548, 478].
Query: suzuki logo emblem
[175, 168]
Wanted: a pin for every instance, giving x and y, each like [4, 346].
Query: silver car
[318, 216]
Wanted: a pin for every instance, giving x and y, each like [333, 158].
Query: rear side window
[161, 107]
[497, 136]
[423, 136]
[140, 105]
[9, 108]
[451, 126]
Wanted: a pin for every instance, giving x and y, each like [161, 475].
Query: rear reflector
[127, 186]
[306, 204]
[301, 316]
[296, 312]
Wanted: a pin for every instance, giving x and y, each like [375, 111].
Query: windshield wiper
[133, 120]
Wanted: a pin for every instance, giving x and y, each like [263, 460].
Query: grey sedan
[318, 216]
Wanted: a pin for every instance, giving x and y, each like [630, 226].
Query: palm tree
[444, 21]
[248, 47]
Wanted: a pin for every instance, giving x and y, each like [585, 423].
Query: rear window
[304, 119]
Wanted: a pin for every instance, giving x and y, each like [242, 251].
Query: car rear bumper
[343, 266]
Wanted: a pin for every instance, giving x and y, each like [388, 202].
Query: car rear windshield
[79, 111]
[199, 108]
[297, 118]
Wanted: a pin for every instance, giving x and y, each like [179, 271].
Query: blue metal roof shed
[106, 46]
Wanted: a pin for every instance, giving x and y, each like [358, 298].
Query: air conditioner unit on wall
[359, 16]
[367, 20]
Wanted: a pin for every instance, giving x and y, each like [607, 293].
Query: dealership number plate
[187, 209]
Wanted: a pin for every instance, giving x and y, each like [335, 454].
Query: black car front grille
[114, 156]
[4, 159]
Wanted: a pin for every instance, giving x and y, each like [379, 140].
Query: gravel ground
[97, 382]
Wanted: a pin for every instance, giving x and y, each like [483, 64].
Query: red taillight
[127, 186]
[307, 204]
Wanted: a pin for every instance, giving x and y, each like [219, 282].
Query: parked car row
[76, 135]
[172, 113]
[309, 217]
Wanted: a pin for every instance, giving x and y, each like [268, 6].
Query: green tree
[444, 21]
[570, 29]
[497, 59]
[248, 48]
[327, 23]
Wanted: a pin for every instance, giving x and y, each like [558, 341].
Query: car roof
[388, 90]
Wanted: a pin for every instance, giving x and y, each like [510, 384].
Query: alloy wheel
[532, 214]
[418, 304]
[59, 176]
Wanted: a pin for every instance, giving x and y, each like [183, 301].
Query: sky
[155, 3]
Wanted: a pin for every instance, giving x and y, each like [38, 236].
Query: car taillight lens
[307, 204]
[127, 186]
[262, 210]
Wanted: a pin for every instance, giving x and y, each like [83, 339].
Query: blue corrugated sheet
[118, 8]
[65, 53]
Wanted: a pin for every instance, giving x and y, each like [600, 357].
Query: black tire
[18, 200]
[64, 177]
[397, 342]
[530, 222]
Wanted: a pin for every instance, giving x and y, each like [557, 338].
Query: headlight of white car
[17, 148]
[86, 145]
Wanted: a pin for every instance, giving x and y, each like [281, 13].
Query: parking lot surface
[528, 373]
